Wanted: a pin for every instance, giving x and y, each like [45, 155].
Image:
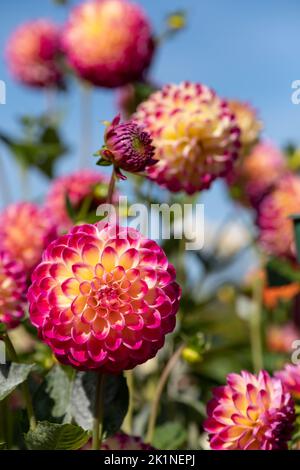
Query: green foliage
[169, 436]
[281, 272]
[11, 376]
[51, 436]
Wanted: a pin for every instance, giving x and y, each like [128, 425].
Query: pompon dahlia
[251, 412]
[12, 290]
[32, 54]
[128, 146]
[290, 378]
[248, 123]
[195, 135]
[77, 186]
[257, 173]
[25, 231]
[108, 42]
[276, 233]
[103, 298]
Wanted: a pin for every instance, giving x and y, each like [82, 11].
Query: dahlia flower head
[251, 412]
[280, 338]
[276, 232]
[122, 441]
[25, 231]
[77, 187]
[248, 123]
[290, 378]
[257, 173]
[32, 54]
[12, 290]
[195, 135]
[128, 147]
[108, 42]
[103, 298]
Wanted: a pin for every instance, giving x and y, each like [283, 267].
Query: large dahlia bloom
[250, 413]
[25, 231]
[77, 187]
[128, 146]
[276, 232]
[257, 173]
[290, 378]
[32, 54]
[108, 42]
[195, 135]
[248, 123]
[12, 290]
[103, 298]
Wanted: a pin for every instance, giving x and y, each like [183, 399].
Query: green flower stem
[160, 387]
[24, 386]
[24, 186]
[255, 328]
[99, 411]
[128, 422]
[111, 188]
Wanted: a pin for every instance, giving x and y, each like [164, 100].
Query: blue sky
[247, 50]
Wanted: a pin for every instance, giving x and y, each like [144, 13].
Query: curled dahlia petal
[195, 135]
[108, 42]
[103, 298]
[251, 412]
[290, 378]
[128, 146]
[32, 54]
[12, 290]
[25, 231]
[257, 173]
[248, 123]
[276, 233]
[77, 187]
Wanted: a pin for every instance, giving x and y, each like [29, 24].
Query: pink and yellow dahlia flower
[276, 233]
[251, 412]
[195, 135]
[32, 54]
[248, 123]
[108, 42]
[103, 298]
[77, 186]
[25, 231]
[257, 173]
[128, 147]
[12, 290]
[290, 378]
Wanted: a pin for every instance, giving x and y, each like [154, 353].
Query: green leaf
[281, 272]
[52, 436]
[169, 436]
[3, 446]
[11, 376]
[116, 401]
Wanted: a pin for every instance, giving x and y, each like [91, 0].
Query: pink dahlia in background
[12, 290]
[128, 147]
[276, 233]
[195, 135]
[257, 173]
[290, 378]
[280, 338]
[25, 231]
[248, 123]
[103, 298]
[251, 412]
[32, 54]
[77, 186]
[108, 42]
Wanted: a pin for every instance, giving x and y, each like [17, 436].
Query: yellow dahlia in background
[25, 231]
[195, 135]
[276, 233]
[103, 298]
[248, 123]
[251, 412]
[108, 42]
[290, 378]
[256, 173]
[33, 53]
[77, 187]
[12, 290]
